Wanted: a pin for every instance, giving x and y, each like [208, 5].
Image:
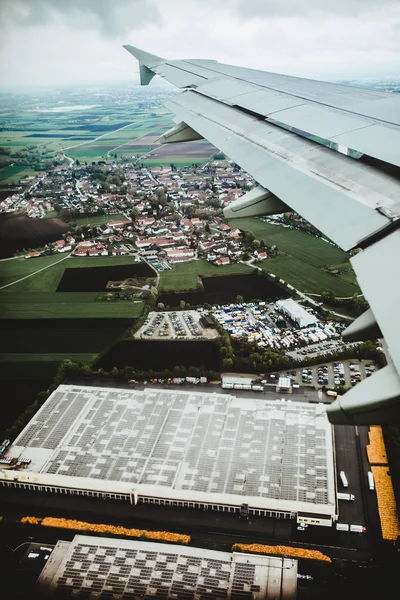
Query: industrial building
[284, 384]
[179, 448]
[296, 313]
[97, 567]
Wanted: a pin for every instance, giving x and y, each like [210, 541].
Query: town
[164, 215]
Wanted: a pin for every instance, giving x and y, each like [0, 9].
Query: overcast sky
[80, 41]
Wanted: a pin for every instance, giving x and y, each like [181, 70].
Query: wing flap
[304, 175]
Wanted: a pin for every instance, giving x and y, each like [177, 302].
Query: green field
[42, 327]
[99, 219]
[12, 175]
[87, 134]
[67, 305]
[185, 276]
[304, 259]
[48, 280]
[37, 360]
[307, 278]
[179, 161]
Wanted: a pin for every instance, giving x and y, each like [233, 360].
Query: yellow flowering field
[282, 550]
[386, 503]
[165, 536]
[376, 450]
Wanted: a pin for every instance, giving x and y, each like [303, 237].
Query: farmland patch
[95, 279]
[157, 355]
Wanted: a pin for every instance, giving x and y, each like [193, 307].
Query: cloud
[254, 9]
[112, 18]
[80, 41]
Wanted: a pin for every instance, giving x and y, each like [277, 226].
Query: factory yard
[172, 325]
[283, 325]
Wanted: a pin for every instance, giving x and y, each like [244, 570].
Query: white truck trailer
[371, 483]
[343, 479]
[344, 496]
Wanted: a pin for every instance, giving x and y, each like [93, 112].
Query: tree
[328, 296]
[160, 306]
[249, 237]
[239, 299]
[227, 363]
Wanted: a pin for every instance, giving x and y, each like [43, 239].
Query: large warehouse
[97, 567]
[181, 448]
[296, 313]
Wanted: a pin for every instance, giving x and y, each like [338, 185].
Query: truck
[342, 526]
[371, 483]
[344, 496]
[343, 479]
[358, 528]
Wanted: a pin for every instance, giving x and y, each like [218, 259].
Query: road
[98, 137]
[126, 143]
[9, 258]
[35, 272]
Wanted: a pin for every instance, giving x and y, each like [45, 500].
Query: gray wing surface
[329, 152]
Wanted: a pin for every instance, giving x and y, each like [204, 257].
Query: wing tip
[144, 58]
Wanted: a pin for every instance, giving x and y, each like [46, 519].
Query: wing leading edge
[330, 153]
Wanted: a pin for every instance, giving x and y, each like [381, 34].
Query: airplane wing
[329, 152]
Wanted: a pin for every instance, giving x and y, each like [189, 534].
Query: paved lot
[346, 372]
[172, 325]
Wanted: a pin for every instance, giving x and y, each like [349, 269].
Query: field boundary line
[35, 272]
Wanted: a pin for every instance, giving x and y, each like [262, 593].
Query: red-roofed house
[143, 243]
[119, 224]
[176, 255]
[224, 260]
[145, 221]
[196, 222]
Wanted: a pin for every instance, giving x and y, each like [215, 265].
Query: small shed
[206, 322]
[284, 384]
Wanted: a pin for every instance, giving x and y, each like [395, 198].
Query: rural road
[97, 138]
[249, 263]
[35, 272]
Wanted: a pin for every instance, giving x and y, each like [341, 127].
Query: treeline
[239, 355]
[27, 157]
[356, 302]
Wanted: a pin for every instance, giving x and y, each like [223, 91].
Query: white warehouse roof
[297, 313]
[272, 455]
[94, 567]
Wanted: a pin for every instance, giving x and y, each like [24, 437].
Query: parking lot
[174, 325]
[348, 372]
